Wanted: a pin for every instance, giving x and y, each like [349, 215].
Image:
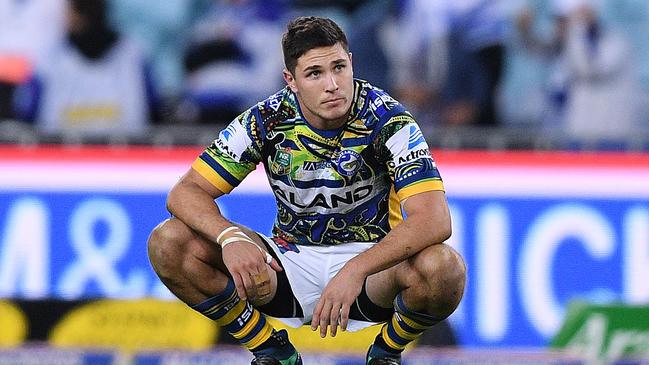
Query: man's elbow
[446, 233]
[443, 232]
[173, 199]
[169, 204]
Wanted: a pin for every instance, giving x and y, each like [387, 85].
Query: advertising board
[537, 229]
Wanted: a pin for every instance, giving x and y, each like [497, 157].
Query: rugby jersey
[331, 186]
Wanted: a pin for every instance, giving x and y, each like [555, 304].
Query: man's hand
[336, 300]
[245, 260]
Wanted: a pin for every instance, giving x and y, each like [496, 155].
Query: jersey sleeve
[232, 155]
[410, 164]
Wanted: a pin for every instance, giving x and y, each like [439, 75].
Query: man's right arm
[192, 201]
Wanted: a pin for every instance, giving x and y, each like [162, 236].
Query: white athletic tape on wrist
[240, 236]
[229, 229]
[227, 241]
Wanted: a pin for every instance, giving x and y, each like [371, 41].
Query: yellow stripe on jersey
[420, 187]
[394, 207]
[208, 173]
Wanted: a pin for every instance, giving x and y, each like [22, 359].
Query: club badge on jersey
[349, 162]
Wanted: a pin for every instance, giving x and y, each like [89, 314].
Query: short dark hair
[306, 33]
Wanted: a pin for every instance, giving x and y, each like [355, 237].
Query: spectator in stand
[476, 61]
[28, 29]
[415, 39]
[453, 52]
[231, 60]
[94, 82]
[161, 28]
[592, 90]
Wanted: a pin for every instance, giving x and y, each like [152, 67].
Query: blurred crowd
[97, 67]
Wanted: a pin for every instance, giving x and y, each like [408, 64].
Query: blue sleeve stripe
[422, 175]
[227, 176]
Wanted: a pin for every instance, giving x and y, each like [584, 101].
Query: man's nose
[332, 84]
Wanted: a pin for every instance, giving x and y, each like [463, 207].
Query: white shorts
[309, 271]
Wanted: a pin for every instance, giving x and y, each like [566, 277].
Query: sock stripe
[389, 341]
[218, 307]
[254, 331]
[422, 319]
[415, 326]
[403, 332]
[222, 298]
[261, 337]
[254, 320]
[238, 317]
[405, 326]
[231, 315]
[402, 342]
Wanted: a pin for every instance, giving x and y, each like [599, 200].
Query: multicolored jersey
[331, 186]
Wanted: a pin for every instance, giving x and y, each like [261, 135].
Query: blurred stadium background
[552, 216]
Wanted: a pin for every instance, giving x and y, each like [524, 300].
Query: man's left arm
[427, 222]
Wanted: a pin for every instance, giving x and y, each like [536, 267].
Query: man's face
[324, 85]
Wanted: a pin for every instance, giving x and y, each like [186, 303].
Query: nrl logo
[281, 164]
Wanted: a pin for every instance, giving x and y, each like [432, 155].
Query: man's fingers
[344, 317]
[316, 316]
[238, 284]
[275, 265]
[324, 319]
[333, 320]
[249, 286]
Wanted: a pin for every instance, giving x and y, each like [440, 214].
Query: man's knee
[165, 245]
[438, 276]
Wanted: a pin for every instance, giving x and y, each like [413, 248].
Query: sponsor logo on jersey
[382, 100]
[227, 132]
[348, 162]
[233, 140]
[275, 101]
[408, 144]
[223, 147]
[416, 137]
[327, 201]
[413, 155]
[315, 165]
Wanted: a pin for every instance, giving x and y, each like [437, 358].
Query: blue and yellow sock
[404, 327]
[245, 323]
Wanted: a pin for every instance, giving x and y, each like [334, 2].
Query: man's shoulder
[377, 102]
[278, 108]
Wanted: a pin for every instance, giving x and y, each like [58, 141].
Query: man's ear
[290, 80]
